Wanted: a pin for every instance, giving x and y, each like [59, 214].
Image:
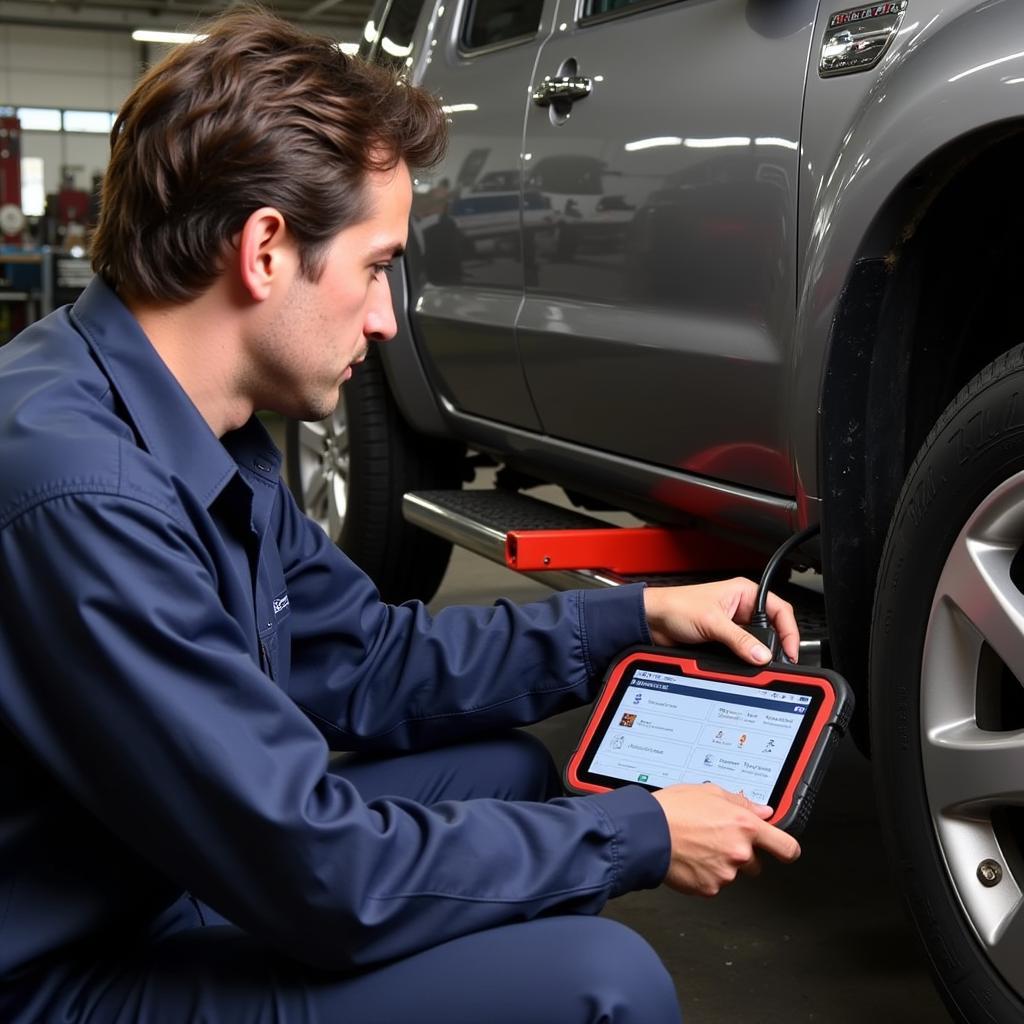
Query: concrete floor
[823, 940]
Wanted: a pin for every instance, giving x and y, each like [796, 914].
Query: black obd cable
[759, 625]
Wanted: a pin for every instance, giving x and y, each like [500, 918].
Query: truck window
[602, 9]
[489, 22]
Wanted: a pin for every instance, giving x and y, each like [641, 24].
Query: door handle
[562, 89]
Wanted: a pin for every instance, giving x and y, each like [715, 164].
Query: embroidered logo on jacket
[280, 603]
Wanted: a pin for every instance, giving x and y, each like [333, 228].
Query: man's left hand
[713, 611]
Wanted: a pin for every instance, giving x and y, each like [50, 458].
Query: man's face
[321, 329]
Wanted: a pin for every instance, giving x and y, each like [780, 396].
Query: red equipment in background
[10, 171]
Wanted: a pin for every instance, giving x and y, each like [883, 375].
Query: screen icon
[642, 778]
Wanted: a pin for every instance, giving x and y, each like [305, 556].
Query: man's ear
[266, 254]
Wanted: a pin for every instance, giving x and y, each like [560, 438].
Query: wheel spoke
[314, 496]
[335, 495]
[311, 436]
[995, 909]
[970, 771]
[977, 580]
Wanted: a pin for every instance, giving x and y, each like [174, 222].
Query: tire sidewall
[977, 444]
[386, 458]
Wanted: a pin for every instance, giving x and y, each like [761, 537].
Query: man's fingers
[779, 844]
[752, 868]
[741, 800]
[738, 640]
[781, 616]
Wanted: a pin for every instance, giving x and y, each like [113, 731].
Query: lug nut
[990, 873]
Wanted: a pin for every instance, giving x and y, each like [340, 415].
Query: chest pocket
[273, 615]
[275, 646]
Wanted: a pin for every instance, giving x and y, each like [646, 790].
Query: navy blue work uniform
[181, 651]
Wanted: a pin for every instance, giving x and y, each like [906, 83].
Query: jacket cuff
[611, 619]
[640, 838]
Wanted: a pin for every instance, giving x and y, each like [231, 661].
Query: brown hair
[259, 113]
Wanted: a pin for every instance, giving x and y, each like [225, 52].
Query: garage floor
[823, 940]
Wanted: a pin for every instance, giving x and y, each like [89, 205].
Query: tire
[946, 701]
[348, 472]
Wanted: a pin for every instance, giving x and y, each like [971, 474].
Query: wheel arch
[941, 102]
[928, 302]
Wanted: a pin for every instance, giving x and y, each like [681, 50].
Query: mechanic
[181, 649]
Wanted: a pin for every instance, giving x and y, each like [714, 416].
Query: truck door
[465, 254]
[660, 304]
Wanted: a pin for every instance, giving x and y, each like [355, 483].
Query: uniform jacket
[180, 649]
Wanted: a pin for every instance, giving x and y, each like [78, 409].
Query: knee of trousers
[617, 976]
[523, 767]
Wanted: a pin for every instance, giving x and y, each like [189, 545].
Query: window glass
[396, 34]
[494, 21]
[595, 8]
[88, 121]
[39, 119]
[33, 194]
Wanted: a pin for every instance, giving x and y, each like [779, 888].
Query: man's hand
[711, 611]
[715, 836]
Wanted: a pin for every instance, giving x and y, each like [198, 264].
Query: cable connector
[763, 630]
[759, 626]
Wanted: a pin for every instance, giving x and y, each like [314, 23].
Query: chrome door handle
[562, 89]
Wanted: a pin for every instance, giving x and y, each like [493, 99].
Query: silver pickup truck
[747, 265]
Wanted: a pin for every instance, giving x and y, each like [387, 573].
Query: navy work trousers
[199, 969]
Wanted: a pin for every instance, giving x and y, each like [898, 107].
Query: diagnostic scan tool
[666, 716]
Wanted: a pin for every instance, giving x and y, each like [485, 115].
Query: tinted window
[494, 21]
[595, 8]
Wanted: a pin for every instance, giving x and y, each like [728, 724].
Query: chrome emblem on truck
[856, 38]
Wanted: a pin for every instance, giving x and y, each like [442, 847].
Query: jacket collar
[167, 423]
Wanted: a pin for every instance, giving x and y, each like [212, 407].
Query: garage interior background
[838, 958]
[64, 71]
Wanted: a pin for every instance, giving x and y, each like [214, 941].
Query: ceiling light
[149, 35]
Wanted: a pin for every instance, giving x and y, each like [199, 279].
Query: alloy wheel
[972, 723]
[323, 465]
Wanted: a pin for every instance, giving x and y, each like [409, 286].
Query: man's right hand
[715, 835]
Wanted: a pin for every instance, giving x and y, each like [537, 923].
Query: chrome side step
[478, 520]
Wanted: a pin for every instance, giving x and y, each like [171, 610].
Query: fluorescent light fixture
[394, 49]
[152, 35]
[459, 108]
[725, 140]
[370, 32]
[351, 49]
[659, 140]
[771, 140]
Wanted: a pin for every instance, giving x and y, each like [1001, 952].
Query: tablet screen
[663, 728]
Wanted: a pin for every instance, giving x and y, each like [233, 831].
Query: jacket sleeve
[127, 680]
[384, 678]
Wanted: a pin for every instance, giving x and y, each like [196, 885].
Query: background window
[33, 192]
[39, 119]
[88, 121]
[494, 21]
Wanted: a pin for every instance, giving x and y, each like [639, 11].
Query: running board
[482, 521]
